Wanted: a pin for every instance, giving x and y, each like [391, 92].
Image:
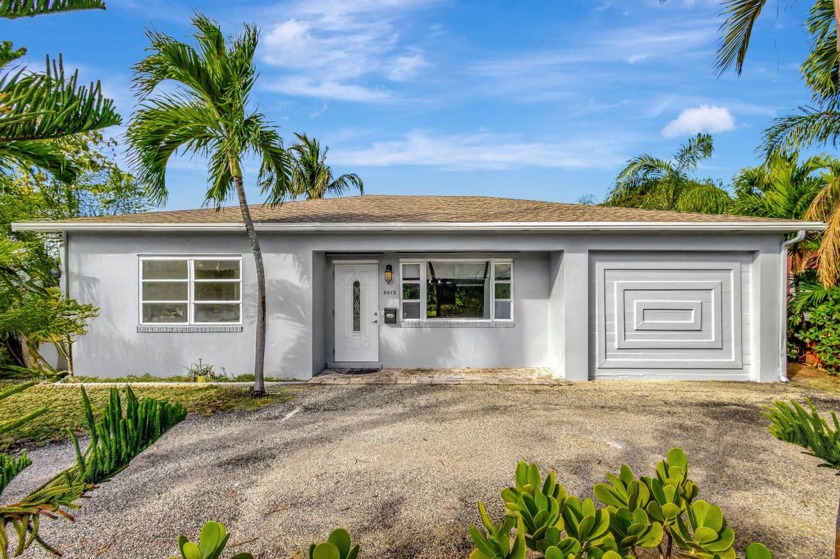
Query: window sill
[187, 329]
[456, 324]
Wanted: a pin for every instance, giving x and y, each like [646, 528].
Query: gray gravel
[401, 467]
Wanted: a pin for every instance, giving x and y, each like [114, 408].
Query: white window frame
[423, 262]
[190, 281]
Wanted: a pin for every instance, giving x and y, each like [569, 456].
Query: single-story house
[433, 281]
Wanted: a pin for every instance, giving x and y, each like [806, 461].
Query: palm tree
[208, 114]
[784, 188]
[662, 184]
[39, 108]
[818, 124]
[312, 177]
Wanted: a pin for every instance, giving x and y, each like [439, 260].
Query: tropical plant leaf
[736, 32]
[12, 9]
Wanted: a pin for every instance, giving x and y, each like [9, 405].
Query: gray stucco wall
[552, 300]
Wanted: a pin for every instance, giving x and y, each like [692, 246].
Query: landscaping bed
[65, 410]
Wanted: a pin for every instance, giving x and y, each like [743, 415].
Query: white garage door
[670, 315]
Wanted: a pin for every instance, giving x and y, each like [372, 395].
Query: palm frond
[829, 268]
[694, 151]
[820, 69]
[644, 166]
[703, 197]
[808, 294]
[12, 9]
[276, 164]
[811, 127]
[736, 31]
[165, 126]
[346, 182]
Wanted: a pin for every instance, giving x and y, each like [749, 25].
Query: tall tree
[817, 124]
[208, 113]
[312, 177]
[667, 184]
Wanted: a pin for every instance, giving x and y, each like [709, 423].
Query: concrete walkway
[536, 376]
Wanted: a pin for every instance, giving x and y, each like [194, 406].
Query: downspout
[800, 235]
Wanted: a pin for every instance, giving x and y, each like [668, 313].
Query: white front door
[356, 313]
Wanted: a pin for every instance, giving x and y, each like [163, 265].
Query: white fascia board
[777, 226]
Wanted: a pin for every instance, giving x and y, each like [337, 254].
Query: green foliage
[660, 512]
[207, 113]
[39, 108]
[652, 183]
[114, 440]
[337, 546]
[494, 543]
[12, 9]
[821, 332]
[211, 544]
[10, 467]
[312, 177]
[120, 436]
[201, 372]
[793, 423]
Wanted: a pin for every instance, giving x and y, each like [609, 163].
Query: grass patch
[65, 407]
[149, 378]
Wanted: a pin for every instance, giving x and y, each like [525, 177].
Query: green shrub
[660, 512]
[821, 332]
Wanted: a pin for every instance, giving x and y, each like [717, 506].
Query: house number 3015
[389, 292]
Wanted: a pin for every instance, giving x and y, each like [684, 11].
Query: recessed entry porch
[531, 376]
[435, 310]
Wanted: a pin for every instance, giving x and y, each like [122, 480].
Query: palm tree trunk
[259, 358]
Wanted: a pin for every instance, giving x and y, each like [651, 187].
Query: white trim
[764, 226]
[190, 280]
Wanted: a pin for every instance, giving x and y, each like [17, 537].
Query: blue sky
[539, 99]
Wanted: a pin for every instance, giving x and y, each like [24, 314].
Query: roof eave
[755, 226]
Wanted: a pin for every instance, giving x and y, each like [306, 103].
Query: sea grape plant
[660, 512]
[211, 544]
[337, 546]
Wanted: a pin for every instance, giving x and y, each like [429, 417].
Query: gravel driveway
[401, 467]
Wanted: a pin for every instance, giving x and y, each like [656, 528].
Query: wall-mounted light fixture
[389, 273]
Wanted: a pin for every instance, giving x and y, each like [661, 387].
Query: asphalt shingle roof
[421, 209]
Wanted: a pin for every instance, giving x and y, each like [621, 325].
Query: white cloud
[328, 89]
[483, 151]
[336, 46]
[705, 118]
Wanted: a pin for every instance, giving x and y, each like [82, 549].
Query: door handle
[374, 321]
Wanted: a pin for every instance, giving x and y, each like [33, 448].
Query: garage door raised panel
[666, 311]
